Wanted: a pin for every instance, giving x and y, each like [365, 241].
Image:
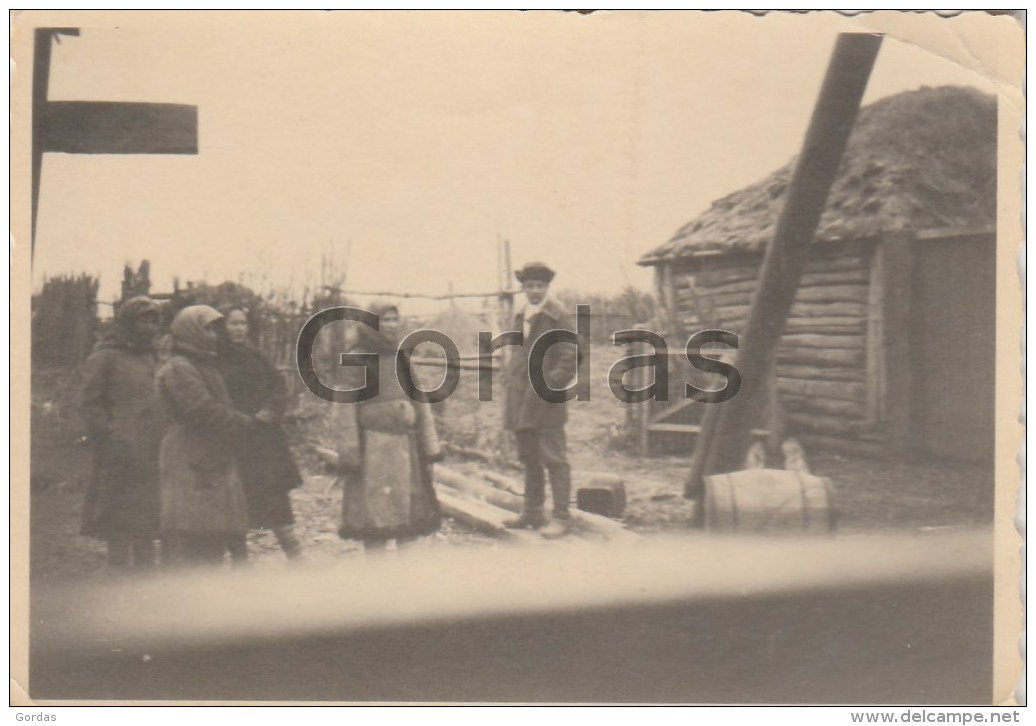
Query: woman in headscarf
[264, 460]
[203, 504]
[123, 427]
[385, 448]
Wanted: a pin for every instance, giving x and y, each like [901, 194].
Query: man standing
[538, 424]
[120, 410]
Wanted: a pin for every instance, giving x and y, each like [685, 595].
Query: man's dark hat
[535, 271]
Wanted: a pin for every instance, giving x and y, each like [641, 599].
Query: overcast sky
[420, 138]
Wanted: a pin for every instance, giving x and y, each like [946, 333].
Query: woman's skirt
[392, 496]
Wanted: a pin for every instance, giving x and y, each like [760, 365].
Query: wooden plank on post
[99, 127]
[110, 127]
[726, 428]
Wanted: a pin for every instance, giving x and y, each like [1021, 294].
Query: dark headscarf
[188, 330]
[252, 381]
[378, 341]
[124, 333]
[225, 344]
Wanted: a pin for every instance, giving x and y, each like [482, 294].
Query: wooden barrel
[769, 500]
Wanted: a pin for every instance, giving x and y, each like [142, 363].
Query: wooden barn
[890, 343]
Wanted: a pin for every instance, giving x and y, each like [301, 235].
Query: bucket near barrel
[769, 501]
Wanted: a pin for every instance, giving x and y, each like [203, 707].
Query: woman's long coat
[120, 412]
[268, 471]
[385, 450]
[201, 488]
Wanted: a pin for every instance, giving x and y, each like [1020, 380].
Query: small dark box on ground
[603, 494]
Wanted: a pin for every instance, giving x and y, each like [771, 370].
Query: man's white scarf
[528, 311]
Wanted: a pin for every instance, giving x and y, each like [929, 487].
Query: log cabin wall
[829, 362]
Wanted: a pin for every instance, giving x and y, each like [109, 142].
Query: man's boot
[529, 519]
[561, 490]
[532, 505]
[288, 541]
[558, 527]
[238, 548]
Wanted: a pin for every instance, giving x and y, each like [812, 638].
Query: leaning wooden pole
[726, 427]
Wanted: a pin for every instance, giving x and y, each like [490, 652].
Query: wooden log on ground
[503, 482]
[483, 517]
[478, 489]
[326, 455]
[468, 452]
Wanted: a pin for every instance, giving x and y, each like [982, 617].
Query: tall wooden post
[42, 46]
[99, 127]
[726, 428]
[505, 298]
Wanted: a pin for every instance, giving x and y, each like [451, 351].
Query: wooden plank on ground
[480, 490]
[482, 516]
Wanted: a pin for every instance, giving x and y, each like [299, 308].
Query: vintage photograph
[546, 357]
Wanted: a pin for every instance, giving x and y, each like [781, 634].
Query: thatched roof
[918, 160]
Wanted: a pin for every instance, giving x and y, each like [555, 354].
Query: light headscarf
[188, 329]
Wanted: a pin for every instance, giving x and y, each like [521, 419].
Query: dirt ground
[871, 495]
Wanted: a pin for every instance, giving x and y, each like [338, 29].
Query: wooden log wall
[822, 363]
